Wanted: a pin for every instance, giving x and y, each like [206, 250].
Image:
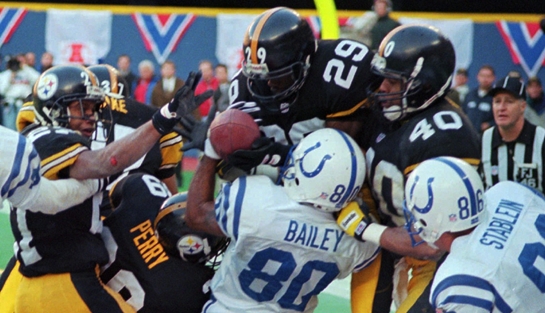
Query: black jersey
[129, 114]
[67, 241]
[440, 130]
[337, 85]
[146, 276]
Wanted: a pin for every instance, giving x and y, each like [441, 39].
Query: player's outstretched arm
[355, 220]
[200, 213]
[118, 155]
[55, 196]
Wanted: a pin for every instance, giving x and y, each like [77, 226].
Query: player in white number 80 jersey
[496, 239]
[285, 244]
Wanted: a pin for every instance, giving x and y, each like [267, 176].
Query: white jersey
[19, 167]
[500, 266]
[282, 254]
[22, 185]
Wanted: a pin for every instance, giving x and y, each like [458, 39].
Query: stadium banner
[78, 36]
[161, 33]
[526, 44]
[460, 33]
[10, 18]
[508, 42]
[230, 29]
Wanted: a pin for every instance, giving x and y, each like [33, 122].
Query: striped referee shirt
[520, 160]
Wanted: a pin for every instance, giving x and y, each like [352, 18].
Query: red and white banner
[230, 34]
[78, 36]
[10, 19]
[161, 33]
[526, 44]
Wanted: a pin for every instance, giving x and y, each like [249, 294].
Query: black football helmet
[277, 45]
[60, 85]
[181, 241]
[110, 80]
[423, 59]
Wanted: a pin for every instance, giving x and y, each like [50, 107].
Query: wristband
[373, 232]
[209, 150]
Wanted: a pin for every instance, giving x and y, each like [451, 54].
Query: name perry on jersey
[502, 224]
[307, 235]
[148, 245]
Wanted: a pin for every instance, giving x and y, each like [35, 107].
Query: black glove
[263, 151]
[184, 102]
[249, 107]
[197, 131]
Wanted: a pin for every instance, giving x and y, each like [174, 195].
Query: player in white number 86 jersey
[496, 239]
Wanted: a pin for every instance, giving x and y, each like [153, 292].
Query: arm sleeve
[57, 196]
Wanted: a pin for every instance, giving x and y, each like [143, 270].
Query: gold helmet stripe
[257, 32]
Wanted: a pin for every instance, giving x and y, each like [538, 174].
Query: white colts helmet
[326, 169]
[443, 194]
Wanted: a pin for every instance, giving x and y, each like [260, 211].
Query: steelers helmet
[110, 80]
[277, 45]
[59, 86]
[423, 59]
[181, 241]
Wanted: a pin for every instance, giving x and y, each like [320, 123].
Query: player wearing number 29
[495, 239]
[293, 84]
[285, 244]
[418, 123]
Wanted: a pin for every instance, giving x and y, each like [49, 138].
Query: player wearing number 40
[285, 244]
[496, 239]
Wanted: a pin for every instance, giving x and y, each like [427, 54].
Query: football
[232, 130]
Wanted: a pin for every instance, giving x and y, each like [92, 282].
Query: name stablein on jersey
[502, 224]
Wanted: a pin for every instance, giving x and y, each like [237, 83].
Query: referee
[513, 149]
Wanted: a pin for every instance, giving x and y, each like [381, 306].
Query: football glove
[184, 102]
[355, 220]
[196, 132]
[263, 151]
[250, 108]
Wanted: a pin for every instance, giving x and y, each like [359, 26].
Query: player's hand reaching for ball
[183, 103]
[263, 151]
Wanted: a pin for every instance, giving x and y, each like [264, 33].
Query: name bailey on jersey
[307, 235]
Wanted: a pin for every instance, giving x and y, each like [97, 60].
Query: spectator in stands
[535, 111]
[208, 81]
[46, 62]
[30, 59]
[384, 23]
[124, 68]
[221, 96]
[16, 84]
[460, 83]
[144, 85]
[478, 103]
[165, 88]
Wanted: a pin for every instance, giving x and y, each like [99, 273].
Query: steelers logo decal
[47, 86]
[190, 245]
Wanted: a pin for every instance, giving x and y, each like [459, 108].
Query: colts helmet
[277, 45]
[59, 86]
[181, 241]
[423, 59]
[326, 170]
[442, 194]
[110, 80]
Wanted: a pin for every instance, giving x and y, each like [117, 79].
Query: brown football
[232, 130]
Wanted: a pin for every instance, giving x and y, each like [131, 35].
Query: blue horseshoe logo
[428, 206]
[320, 166]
